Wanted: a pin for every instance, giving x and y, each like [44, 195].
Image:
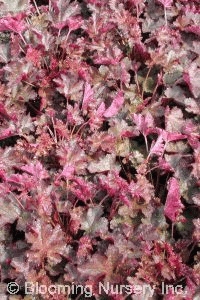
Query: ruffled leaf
[173, 205]
[115, 106]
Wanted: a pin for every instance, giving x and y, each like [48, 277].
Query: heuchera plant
[100, 145]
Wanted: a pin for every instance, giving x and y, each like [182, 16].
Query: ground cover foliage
[99, 145]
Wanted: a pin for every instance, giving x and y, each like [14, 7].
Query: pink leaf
[115, 106]
[88, 97]
[173, 205]
[96, 118]
[142, 188]
[107, 27]
[3, 112]
[101, 109]
[68, 171]
[22, 181]
[5, 133]
[144, 124]
[170, 136]
[15, 24]
[46, 242]
[74, 23]
[107, 61]
[115, 186]
[85, 246]
[36, 170]
[82, 189]
[158, 147]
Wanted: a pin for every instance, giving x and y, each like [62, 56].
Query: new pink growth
[115, 106]
[173, 205]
